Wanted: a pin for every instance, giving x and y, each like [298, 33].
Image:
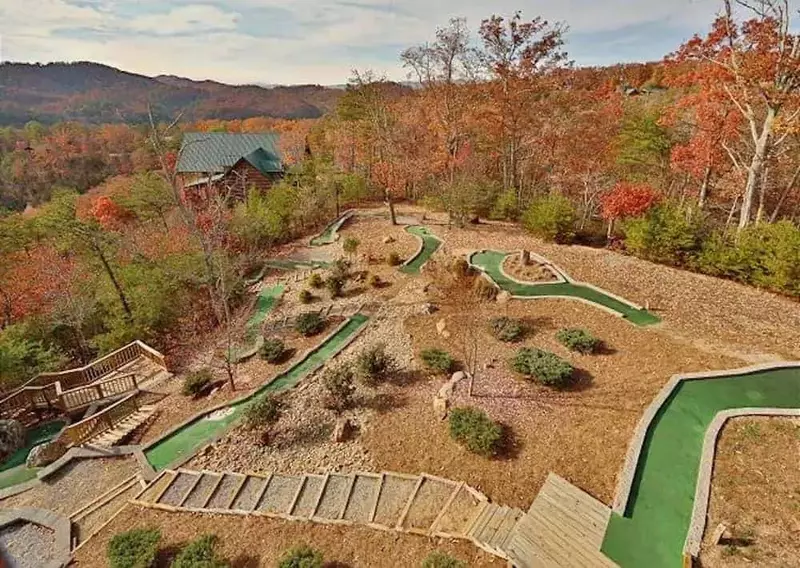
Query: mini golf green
[186, 440]
[13, 469]
[658, 514]
[265, 301]
[430, 244]
[491, 261]
[328, 236]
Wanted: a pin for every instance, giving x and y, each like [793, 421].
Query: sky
[317, 41]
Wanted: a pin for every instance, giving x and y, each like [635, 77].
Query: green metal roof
[215, 152]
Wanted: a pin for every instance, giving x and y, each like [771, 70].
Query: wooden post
[524, 257]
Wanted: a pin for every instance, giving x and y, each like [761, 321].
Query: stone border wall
[702, 491]
[59, 524]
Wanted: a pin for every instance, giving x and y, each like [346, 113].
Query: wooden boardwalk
[564, 527]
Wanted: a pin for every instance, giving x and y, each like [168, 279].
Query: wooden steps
[564, 527]
[417, 504]
[90, 518]
[125, 428]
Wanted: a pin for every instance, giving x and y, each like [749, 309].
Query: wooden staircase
[124, 429]
[91, 517]
[417, 504]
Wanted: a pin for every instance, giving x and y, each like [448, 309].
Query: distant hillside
[95, 93]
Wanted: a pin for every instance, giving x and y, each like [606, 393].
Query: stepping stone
[201, 494]
[250, 492]
[362, 498]
[309, 496]
[280, 494]
[334, 498]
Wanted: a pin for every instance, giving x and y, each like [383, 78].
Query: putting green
[186, 440]
[658, 514]
[430, 244]
[328, 236]
[13, 470]
[491, 262]
[265, 301]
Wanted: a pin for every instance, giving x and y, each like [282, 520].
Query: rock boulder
[12, 437]
[45, 454]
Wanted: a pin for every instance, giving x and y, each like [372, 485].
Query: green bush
[272, 350]
[338, 382]
[578, 340]
[374, 281]
[340, 269]
[315, 281]
[133, 549]
[375, 364]
[551, 218]
[438, 360]
[475, 430]
[350, 245]
[506, 207]
[393, 259]
[664, 234]
[460, 268]
[199, 553]
[441, 560]
[309, 323]
[301, 557]
[264, 412]
[197, 382]
[542, 366]
[305, 296]
[507, 329]
[484, 290]
[334, 286]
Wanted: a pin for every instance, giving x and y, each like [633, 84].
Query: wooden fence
[82, 397]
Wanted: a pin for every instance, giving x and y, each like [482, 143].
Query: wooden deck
[564, 527]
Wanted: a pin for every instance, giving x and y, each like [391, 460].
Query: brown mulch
[581, 434]
[259, 541]
[755, 491]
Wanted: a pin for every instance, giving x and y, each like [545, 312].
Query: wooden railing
[84, 396]
[44, 390]
[106, 419]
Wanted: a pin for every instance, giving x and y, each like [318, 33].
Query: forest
[693, 162]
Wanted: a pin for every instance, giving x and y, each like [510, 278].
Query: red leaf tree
[627, 200]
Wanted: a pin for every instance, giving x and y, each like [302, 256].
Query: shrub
[315, 281]
[334, 286]
[664, 234]
[460, 268]
[507, 329]
[483, 289]
[197, 382]
[306, 297]
[551, 218]
[441, 560]
[350, 245]
[338, 383]
[133, 549]
[375, 364]
[393, 259]
[340, 270]
[438, 360]
[544, 367]
[301, 557]
[199, 553]
[475, 430]
[264, 413]
[374, 281]
[272, 350]
[309, 323]
[506, 207]
[578, 340]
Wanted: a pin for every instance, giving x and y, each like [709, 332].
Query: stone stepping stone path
[417, 504]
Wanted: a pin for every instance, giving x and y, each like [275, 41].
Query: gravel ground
[428, 503]
[334, 498]
[308, 497]
[200, 492]
[533, 272]
[259, 541]
[26, 545]
[755, 491]
[279, 494]
[362, 499]
[247, 496]
[75, 485]
[394, 496]
[224, 490]
[178, 489]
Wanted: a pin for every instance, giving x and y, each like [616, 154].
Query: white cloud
[230, 40]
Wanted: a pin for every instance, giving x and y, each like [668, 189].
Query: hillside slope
[91, 92]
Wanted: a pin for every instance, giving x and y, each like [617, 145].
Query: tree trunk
[701, 201]
[762, 190]
[786, 191]
[111, 276]
[390, 204]
[756, 169]
[610, 232]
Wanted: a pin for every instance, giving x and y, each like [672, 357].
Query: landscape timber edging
[344, 217]
[551, 296]
[59, 524]
[181, 461]
[703, 489]
[561, 277]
